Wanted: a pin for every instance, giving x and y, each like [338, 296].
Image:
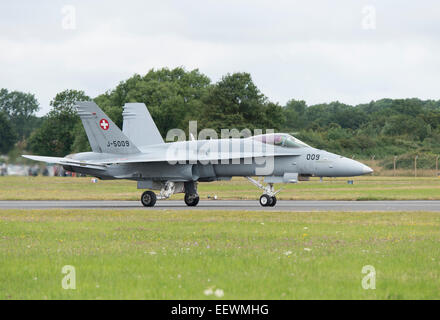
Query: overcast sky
[317, 51]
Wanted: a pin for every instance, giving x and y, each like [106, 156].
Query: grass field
[144, 254]
[364, 188]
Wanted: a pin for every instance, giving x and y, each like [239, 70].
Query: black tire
[265, 200]
[148, 199]
[274, 201]
[191, 200]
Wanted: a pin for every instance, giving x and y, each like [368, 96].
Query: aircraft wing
[67, 162]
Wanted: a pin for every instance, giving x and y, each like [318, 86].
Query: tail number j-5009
[118, 144]
[312, 156]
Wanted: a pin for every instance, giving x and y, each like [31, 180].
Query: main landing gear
[149, 198]
[191, 200]
[268, 199]
[191, 196]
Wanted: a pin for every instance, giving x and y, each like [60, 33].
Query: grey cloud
[315, 50]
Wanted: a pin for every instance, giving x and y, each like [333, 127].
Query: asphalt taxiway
[250, 205]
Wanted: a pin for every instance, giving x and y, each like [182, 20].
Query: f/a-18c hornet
[139, 153]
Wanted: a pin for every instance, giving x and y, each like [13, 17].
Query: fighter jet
[139, 153]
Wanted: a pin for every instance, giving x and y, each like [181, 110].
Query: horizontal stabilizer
[66, 162]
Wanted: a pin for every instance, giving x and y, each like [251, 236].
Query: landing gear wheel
[265, 200]
[274, 201]
[191, 200]
[148, 199]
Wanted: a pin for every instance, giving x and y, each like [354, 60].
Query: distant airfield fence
[422, 165]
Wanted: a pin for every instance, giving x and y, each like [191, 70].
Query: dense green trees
[236, 102]
[60, 127]
[170, 96]
[7, 134]
[19, 109]
[382, 128]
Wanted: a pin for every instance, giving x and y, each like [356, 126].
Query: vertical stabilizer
[104, 136]
[139, 125]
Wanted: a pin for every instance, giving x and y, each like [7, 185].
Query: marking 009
[312, 156]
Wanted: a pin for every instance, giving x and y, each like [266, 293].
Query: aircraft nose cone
[366, 169]
[350, 168]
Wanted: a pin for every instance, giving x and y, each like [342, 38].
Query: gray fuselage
[216, 163]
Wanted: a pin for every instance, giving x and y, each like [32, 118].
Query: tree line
[382, 128]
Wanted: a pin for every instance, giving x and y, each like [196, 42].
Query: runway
[241, 205]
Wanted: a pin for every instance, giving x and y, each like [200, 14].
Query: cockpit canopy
[281, 140]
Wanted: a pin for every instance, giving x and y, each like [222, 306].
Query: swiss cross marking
[104, 124]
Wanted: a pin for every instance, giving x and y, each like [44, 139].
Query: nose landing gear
[268, 199]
